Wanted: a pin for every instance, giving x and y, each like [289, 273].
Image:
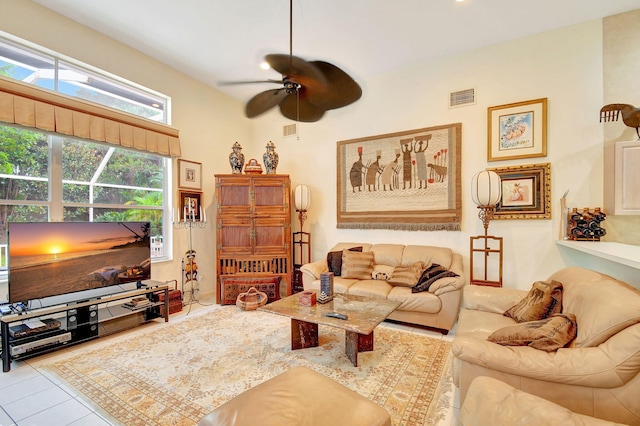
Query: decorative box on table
[175, 301]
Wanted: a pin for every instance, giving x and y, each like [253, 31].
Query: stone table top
[364, 313]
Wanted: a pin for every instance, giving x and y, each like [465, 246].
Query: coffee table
[363, 315]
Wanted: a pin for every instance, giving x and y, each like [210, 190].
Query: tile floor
[31, 397]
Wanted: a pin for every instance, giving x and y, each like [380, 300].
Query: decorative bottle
[270, 159]
[236, 159]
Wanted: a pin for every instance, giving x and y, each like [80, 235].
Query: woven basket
[251, 300]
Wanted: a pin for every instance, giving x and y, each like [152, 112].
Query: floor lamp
[301, 240]
[486, 192]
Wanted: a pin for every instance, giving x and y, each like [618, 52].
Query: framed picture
[517, 130]
[189, 174]
[190, 206]
[526, 192]
[408, 180]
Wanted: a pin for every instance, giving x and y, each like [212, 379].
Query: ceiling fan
[309, 88]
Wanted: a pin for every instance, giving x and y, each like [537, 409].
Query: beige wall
[565, 66]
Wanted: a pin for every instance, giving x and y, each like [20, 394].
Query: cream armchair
[596, 375]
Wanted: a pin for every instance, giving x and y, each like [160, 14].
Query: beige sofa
[437, 308]
[596, 374]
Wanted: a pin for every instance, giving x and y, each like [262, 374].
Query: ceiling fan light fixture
[309, 89]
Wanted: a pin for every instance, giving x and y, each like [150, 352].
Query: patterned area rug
[175, 373]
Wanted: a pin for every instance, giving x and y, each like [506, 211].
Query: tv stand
[78, 322]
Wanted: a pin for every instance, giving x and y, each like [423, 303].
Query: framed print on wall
[190, 206]
[189, 174]
[517, 130]
[526, 192]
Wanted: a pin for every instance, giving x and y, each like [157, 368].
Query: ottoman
[298, 397]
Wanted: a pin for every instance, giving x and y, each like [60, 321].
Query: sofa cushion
[334, 261]
[407, 275]
[357, 265]
[428, 254]
[544, 299]
[603, 309]
[421, 302]
[388, 254]
[376, 289]
[430, 275]
[549, 334]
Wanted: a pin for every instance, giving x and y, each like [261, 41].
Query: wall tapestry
[408, 180]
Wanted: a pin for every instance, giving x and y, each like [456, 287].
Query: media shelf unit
[79, 322]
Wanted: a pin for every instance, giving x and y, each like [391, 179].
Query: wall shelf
[625, 254]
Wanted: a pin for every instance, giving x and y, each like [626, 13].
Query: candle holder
[192, 218]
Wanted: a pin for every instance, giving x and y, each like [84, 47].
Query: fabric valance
[31, 106]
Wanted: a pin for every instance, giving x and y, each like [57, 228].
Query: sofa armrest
[491, 299]
[590, 367]
[311, 271]
[447, 284]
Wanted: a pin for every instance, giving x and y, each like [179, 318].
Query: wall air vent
[290, 130]
[462, 98]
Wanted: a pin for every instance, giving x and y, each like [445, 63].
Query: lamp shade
[302, 197]
[486, 188]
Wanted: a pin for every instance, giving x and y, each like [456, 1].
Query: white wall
[209, 121]
[564, 66]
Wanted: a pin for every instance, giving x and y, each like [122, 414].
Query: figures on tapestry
[412, 168]
[416, 172]
[421, 159]
[390, 174]
[356, 172]
[407, 148]
[373, 170]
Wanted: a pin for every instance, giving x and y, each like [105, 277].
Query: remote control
[337, 315]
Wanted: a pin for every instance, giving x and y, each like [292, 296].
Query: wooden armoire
[253, 228]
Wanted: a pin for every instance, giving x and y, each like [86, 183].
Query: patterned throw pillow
[430, 275]
[406, 276]
[549, 334]
[543, 300]
[358, 265]
[334, 261]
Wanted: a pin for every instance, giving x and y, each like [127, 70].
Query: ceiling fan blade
[343, 89]
[293, 68]
[234, 83]
[264, 101]
[298, 108]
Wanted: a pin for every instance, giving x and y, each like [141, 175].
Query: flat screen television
[56, 258]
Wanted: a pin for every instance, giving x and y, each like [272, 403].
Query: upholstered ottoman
[298, 397]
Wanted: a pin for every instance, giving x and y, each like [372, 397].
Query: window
[48, 177]
[79, 81]
[52, 177]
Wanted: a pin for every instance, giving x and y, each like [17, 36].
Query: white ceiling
[226, 40]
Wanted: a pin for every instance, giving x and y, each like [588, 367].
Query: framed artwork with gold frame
[517, 130]
[526, 192]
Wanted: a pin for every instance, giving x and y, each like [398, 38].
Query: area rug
[175, 373]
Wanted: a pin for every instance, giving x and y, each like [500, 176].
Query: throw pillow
[334, 261]
[544, 299]
[430, 275]
[358, 265]
[406, 276]
[549, 334]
